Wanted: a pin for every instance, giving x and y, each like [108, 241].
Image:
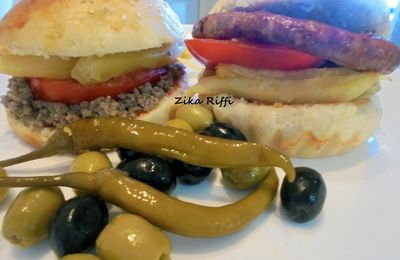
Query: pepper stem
[42, 181]
[60, 142]
[37, 154]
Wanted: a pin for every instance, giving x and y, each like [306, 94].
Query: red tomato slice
[211, 52]
[72, 92]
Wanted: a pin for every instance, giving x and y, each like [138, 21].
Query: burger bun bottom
[305, 130]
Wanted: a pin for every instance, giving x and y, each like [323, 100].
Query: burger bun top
[79, 28]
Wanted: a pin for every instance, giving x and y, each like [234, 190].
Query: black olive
[193, 174]
[190, 174]
[225, 131]
[77, 224]
[126, 154]
[304, 198]
[151, 170]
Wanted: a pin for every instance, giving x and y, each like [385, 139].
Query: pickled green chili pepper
[168, 213]
[154, 139]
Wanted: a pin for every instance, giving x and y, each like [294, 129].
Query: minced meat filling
[20, 102]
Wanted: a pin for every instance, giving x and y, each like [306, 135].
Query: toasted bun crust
[354, 15]
[77, 28]
[38, 137]
[305, 131]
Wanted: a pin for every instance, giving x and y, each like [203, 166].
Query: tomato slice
[211, 52]
[72, 92]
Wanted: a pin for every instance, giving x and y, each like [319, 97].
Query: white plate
[359, 221]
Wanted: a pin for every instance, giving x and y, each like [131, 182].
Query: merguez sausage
[352, 50]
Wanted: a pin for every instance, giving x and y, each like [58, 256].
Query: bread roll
[78, 28]
[305, 131]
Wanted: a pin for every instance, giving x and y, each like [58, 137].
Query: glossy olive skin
[77, 224]
[129, 236]
[304, 198]
[126, 154]
[190, 174]
[151, 170]
[90, 162]
[28, 217]
[80, 257]
[198, 116]
[225, 131]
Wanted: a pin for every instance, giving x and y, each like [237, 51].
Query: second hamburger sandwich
[304, 73]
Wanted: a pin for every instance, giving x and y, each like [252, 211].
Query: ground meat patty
[20, 102]
[351, 50]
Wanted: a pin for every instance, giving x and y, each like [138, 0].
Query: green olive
[129, 236]
[179, 123]
[80, 257]
[28, 217]
[198, 116]
[3, 191]
[90, 162]
[244, 178]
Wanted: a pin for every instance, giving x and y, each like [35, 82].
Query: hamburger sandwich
[304, 73]
[82, 59]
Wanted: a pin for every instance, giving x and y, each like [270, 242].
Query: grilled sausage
[352, 50]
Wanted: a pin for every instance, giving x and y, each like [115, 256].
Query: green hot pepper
[166, 212]
[154, 139]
